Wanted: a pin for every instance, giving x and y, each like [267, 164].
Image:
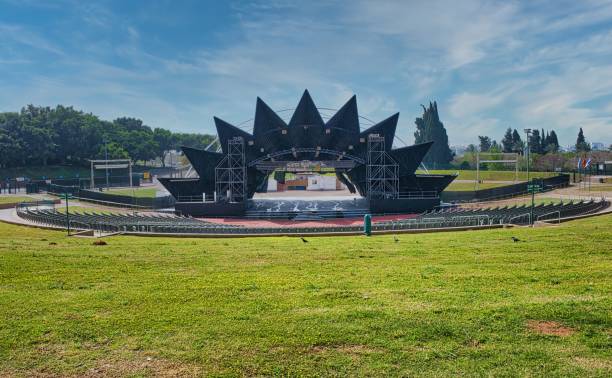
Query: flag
[587, 163]
[579, 163]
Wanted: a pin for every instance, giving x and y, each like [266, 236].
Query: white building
[319, 182]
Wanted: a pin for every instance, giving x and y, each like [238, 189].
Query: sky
[489, 65]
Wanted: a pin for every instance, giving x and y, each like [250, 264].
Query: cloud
[489, 65]
[10, 33]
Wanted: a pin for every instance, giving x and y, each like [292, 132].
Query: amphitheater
[102, 223]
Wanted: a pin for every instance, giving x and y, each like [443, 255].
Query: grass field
[14, 199]
[491, 175]
[136, 192]
[468, 186]
[465, 303]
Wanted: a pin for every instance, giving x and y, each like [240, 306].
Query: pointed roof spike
[409, 158]
[346, 118]
[386, 128]
[204, 162]
[266, 119]
[306, 112]
[226, 131]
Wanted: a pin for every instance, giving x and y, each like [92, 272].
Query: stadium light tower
[528, 133]
[529, 186]
[106, 157]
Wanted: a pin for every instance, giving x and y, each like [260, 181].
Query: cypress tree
[535, 142]
[507, 142]
[517, 142]
[581, 143]
[430, 128]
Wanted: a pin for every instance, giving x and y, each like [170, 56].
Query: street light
[528, 133]
[106, 162]
[529, 186]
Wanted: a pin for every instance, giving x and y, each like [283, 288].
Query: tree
[552, 143]
[581, 143]
[517, 143]
[430, 128]
[62, 135]
[485, 143]
[535, 143]
[507, 142]
[163, 138]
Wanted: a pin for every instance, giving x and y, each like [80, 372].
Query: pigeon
[395, 239]
[304, 240]
[515, 239]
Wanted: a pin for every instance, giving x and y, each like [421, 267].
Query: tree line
[540, 142]
[62, 135]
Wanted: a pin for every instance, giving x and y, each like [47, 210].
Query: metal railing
[558, 212]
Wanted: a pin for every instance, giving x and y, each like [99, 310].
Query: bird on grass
[304, 240]
[515, 239]
[395, 239]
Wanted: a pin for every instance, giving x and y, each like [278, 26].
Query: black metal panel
[306, 128]
[188, 187]
[426, 183]
[306, 113]
[384, 128]
[343, 179]
[204, 162]
[268, 128]
[343, 127]
[226, 131]
[409, 158]
[358, 177]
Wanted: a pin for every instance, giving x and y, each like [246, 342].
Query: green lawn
[57, 171]
[84, 209]
[491, 175]
[449, 304]
[468, 186]
[136, 192]
[14, 199]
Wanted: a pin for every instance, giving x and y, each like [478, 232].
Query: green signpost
[533, 189]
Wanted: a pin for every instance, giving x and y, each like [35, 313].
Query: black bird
[515, 239]
[304, 240]
[395, 238]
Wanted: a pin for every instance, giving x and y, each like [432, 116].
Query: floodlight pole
[528, 132]
[67, 213]
[106, 165]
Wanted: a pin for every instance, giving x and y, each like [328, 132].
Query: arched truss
[337, 154]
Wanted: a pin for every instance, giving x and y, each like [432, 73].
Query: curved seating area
[171, 224]
[505, 215]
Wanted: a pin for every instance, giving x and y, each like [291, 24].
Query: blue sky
[176, 64]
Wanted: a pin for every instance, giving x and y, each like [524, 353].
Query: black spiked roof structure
[307, 137]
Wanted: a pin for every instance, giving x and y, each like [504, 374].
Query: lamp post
[529, 186]
[106, 162]
[67, 212]
[528, 133]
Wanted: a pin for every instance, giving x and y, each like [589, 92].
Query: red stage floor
[290, 223]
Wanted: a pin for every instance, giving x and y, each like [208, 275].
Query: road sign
[534, 188]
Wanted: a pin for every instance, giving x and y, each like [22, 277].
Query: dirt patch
[589, 363]
[549, 328]
[148, 366]
[353, 349]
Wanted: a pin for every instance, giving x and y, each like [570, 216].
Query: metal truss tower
[381, 170]
[230, 173]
